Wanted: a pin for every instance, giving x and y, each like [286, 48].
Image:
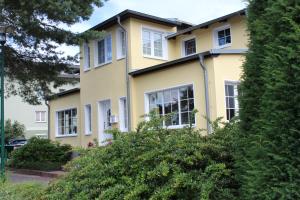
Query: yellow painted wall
[137, 60]
[62, 103]
[204, 37]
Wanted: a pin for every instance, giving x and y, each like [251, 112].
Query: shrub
[22, 191]
[151, 163]
[40, 154]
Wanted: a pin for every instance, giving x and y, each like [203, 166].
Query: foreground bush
[152, 163]
[22, 191]
[40, 154]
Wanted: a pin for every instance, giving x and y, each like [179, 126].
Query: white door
[104, 121]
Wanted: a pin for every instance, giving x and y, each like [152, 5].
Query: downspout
[48, 131]
[207, 109]
[128, 99]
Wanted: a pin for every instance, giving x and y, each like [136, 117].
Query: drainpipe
[128, 99]
[48, 106]
[207, 109]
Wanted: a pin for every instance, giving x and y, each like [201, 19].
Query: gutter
[128, 99]
[207, 109]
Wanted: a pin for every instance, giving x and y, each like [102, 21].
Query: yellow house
[145, 62]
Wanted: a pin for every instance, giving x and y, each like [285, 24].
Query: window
[86, 56]
[40, 116]
[177, 104]
[67, 122]
[153, 44]
[222, 37]
[123, 114]
[189, 47]
[103, 49]
[121, 44]
[231, 97]
[88, 119]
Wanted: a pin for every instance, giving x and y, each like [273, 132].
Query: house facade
[145, 63]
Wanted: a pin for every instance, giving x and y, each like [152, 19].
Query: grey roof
[186, 60]
[130, 13]
[206, 24]
[64, 93]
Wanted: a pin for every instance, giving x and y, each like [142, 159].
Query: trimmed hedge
[41, 154]
[152, 163]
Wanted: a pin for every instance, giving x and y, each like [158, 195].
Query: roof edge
[64, 93]
[187, 59]
[207, 23]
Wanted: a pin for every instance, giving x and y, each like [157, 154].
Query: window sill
[156, 58]
[86, 70]
[121, 58]
[103, 64]
[88, 134]
[64, 136]
[179, 126]
[183, 56]
[41, 122]
[223, 46]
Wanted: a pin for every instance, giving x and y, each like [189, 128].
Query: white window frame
[122, 121]
[147, 111]
[119, 44]
[56, 123]
[106, 60]
[87, 119]
[39, 112]
[215, 36]
[86, 57]
[236, 102]
[183, 53]
[164, 42]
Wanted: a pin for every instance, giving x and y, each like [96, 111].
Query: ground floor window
[231, 98]
[123, 114]
[176, 103]
[88, 119]
[67, 122]
[40, 116]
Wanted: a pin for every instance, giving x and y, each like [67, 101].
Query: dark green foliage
[40, 154]
[32, 60]
[269, 164]
[152, 163]
[13, 130]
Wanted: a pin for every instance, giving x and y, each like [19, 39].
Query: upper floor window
[222, 36]
[189, 47]
[154, 44]
[177, 102]
[66, 122]
[121, 44]
[231, 97]
[103, 51]
[123, 114]
[86, 56]
[40, 116]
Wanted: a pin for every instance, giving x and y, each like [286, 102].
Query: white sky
[194, 11]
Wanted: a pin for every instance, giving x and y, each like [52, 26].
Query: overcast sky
[194, 11]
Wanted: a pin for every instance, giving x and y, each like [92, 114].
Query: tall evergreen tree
[33, 61]
[270, 102]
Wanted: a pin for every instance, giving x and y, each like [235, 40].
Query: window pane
[174, 95]
[168, 108]
[190, 92]
[175, 106]
[74, 112]
[231, 102]
[86, 56]
[221, 34]
[175, 119]
[146, 43]
[192, 117]
[184, 105]
[160, 97]
[37, 116]
[221, 41]
[108, 48]
[190, 46]
[43, 116]
[158, 44]
[167, 96]
[183, 93]
[228, 40]
[191, 104]
[101, 52]
[227, 32]
[185, 118]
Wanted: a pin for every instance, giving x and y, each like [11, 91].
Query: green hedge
[152, 163]
[40, 154]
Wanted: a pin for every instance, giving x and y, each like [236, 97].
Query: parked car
[17, 143]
